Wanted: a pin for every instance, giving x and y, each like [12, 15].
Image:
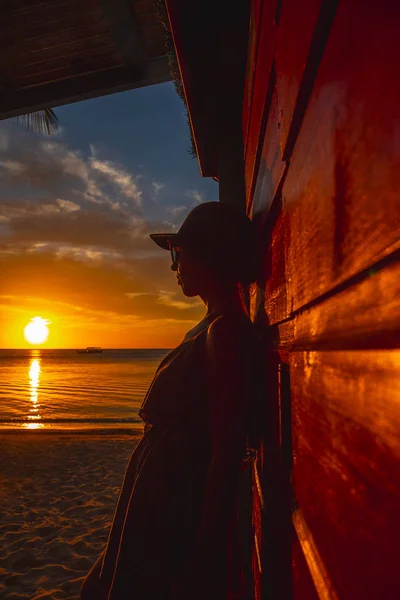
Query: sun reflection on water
[34, 381]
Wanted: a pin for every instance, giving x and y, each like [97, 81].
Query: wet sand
[58, 495]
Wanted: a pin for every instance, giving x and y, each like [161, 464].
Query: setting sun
[36, 332]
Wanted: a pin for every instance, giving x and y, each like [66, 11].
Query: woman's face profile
[190, 272]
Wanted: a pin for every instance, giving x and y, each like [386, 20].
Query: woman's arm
[228, 372]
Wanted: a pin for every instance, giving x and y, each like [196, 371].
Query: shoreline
[58, 493]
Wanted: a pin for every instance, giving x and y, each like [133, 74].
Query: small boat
[90, 350]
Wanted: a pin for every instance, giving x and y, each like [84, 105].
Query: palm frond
[42, 121]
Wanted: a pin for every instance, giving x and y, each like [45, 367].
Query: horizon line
[81, 348]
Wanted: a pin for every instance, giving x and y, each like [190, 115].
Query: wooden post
[232, 39]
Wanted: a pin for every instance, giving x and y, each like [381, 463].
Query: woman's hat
[210, 225]
[223, 236]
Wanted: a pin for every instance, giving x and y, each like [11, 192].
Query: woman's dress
[159, 506]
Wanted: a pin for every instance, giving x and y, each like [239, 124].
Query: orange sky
[92, 303]
[76, 210]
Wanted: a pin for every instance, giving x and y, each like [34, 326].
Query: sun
[36, 332]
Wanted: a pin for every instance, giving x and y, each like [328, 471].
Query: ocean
[63, 390]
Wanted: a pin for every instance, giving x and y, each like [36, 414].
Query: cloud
[121, 178]
[168, 298]
[78, 227]
[3, 141]
[129, 287]
[74, 237]
[178, 211]
[29, 164]
[52, 194]
[67, 205]
[196, 196]
[15, 209]
[12, 166]
[136, 294]
[157, 187]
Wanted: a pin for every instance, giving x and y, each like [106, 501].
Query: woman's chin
[187, 291]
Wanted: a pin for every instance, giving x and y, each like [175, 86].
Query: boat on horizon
[90, 350]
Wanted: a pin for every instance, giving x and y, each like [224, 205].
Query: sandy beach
[58, 494]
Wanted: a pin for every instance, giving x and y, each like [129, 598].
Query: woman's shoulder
[228, 327]
[232, 321]
[234, 328]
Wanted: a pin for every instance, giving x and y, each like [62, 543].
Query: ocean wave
[45, 420]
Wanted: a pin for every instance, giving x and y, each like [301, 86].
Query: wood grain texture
[319, 574]
[341, 193]
[257, 518]
[331, 285]
[271, 490]
[273, 288]
[255, 11]
[346, 442]
[264, 60]
[56, 52]
[271, 167]
[72, 70]
[296, 26]
[303, 585]
[366, 315]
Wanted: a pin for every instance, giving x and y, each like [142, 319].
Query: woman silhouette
[175, 531]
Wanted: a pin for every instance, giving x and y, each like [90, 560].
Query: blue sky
[144, 129]
[75, 213]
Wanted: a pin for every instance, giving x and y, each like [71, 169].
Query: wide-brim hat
[223, 236]
[210, 224]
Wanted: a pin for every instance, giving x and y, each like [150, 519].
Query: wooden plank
[264, 60]
[271, 167]
[274, 266]
[63, 64]
[124, 26]
[255, 11]
[296, 26]
[303, 585]
[54, 41]
[57, 47]
[60, 51]
[178, 14]
[232, 49]
[341, 193]
[300, 39]
[271, 493]
[31, 16]
[346, 476]
[257, 530]
[83, 88]
[71, 71]
[366, 315]
[77, 20]
[322, 581]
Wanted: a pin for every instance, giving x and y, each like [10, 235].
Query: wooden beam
[365, 315]
[231, 64]
[84, 88]
[125, 31]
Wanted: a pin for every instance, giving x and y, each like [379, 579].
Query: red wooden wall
[321, 124]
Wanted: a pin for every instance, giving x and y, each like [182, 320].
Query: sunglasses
[175, 254]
